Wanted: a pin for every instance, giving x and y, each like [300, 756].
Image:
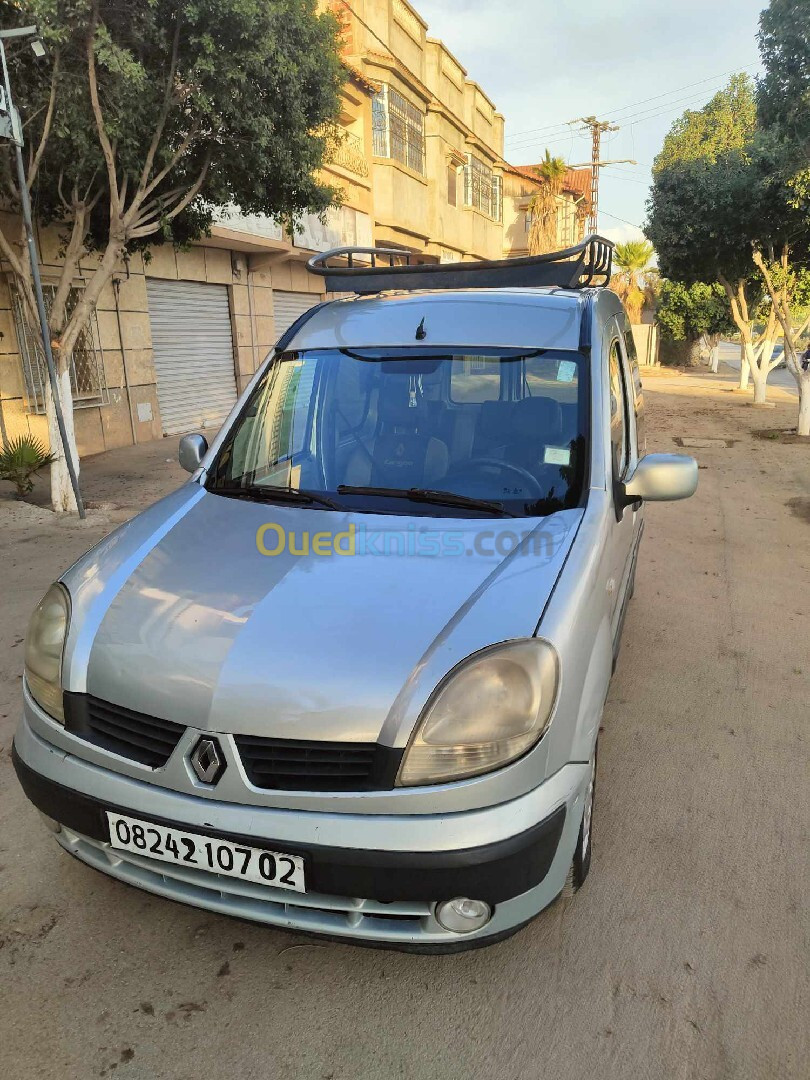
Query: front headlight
[488, 711]
[44, 645]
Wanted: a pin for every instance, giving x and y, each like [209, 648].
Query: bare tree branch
[190, 136]
[70, 267]
[19, 268]
[46, 125]
[164, 112]
[147, 230]
[103, 138]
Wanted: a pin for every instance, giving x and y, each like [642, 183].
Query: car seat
[402, 453]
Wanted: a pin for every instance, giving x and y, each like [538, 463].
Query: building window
[452, 185]
[88, 383]
[399, 129]
[483, 190]
[566, 222]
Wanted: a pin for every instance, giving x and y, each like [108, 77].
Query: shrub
[20, 459]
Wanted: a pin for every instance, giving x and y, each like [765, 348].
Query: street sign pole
[25, 201]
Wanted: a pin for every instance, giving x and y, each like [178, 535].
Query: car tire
[581, 862]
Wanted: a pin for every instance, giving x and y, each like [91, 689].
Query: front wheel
[581, 863]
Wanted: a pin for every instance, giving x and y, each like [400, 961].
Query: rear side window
[619, 427]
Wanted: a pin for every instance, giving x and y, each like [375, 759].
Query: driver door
[625, 532]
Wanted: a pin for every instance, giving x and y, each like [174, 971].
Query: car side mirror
[191, 451]
[661, 477]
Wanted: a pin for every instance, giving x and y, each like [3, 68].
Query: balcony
[350, 155]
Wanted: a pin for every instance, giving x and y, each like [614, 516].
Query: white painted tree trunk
[714, 360]
[760, 387]
[62, 497]
[803, 427]
[745, 368]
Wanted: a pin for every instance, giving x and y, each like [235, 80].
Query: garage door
[193, 348]
[287, 306]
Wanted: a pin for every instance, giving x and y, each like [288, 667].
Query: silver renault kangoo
[349, 678]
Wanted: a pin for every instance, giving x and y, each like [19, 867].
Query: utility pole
[11, 128]
[596, 128]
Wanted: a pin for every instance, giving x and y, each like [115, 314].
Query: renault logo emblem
[207, 760]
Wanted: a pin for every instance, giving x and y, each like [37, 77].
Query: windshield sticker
[566, 371]
[557, 455]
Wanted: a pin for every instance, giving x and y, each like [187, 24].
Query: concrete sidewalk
[683, 957]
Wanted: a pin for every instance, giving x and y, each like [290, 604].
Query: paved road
[730, 354]
[684, 957]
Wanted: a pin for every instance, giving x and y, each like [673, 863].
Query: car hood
[178, 614]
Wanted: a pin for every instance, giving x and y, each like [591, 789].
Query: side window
[637, 395]
[619, 426]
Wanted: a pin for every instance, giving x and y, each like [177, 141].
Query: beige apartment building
[177, 336]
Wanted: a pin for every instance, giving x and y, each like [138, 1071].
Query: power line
[623, 220]
[635, 104]
[634, 118]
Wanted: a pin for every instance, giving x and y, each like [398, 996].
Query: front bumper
[373, 878]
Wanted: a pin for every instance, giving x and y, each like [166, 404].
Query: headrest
[495, 419]
[538, 418]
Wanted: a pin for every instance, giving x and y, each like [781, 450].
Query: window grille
[483, 190]
[88, 382]
[399, 129]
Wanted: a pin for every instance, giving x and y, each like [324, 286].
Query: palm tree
[632, 282]
[543, 205]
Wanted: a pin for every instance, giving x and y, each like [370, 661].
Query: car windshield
[413, 431]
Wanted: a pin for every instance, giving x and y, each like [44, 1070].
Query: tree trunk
[714, 360]
[62, 497]
[803, 427]
[745, 368]
[680, 353]
[760, 388]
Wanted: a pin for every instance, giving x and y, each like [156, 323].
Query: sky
[635, 62]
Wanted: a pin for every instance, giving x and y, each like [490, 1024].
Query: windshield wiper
[267, 493]
[427, 495]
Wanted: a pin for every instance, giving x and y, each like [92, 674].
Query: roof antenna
[421, 332]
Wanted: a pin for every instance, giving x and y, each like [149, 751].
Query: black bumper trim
[493, 872]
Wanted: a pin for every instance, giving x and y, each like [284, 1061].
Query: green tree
[708, 203]
[783, 96]
[630, 282]
[726, 123]
[543, 205]
[689, 313]
[783, 92]
[149, 115]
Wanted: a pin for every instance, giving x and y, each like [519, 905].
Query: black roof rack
[586, 264]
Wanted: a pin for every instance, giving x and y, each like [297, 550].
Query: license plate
[206, 853]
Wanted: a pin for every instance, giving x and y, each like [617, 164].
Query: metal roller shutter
[193, 349]
[287, 306]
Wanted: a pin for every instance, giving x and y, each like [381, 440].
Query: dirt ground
[685, 956]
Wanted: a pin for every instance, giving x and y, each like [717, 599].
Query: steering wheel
[478, 467]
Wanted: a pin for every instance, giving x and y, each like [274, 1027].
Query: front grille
[403, 922]
[130, 734]
[292, 765]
